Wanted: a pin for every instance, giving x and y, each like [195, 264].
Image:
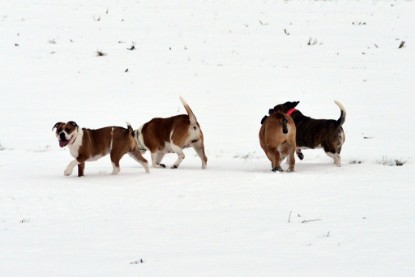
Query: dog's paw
[115, 171]
[158, 165]
[174, 166]
[278, 168]
[67, 172]
[300, 155]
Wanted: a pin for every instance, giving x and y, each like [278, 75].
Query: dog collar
[291, 111]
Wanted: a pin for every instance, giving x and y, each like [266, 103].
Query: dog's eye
[58, 130]
[67, 130]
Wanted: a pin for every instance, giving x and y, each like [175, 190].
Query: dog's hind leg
[274, 156]
[278, 168]
[335, 156]
[200, 151]
[291, 161]
[136, 155]
[155, 157]
[159, 158]
[115, 159]
[180, 155]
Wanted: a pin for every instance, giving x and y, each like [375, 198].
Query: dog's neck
[290, 111]
[73, 140]
[139, 139]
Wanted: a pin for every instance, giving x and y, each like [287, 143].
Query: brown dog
[315, 133]
[172, 135]
[90, 145]
[277, 139]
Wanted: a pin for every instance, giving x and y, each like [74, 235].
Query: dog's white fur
[185, 132]
[89, 145]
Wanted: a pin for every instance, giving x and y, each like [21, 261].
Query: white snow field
[231, 61]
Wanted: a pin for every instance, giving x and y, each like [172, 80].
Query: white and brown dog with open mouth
[90, 145]
[172, 135]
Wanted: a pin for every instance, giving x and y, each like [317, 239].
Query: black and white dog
[316, 133]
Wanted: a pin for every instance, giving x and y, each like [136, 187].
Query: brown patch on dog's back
[158, 130]
[101, 147]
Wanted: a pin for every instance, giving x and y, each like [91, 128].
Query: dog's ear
[57, 125]
[295, 103]
[73, 123]
[270, 111]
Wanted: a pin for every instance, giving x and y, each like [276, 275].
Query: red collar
[291, 111]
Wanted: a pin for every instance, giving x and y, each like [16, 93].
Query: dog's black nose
[62, 136]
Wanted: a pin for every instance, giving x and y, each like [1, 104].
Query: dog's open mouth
[63, 143]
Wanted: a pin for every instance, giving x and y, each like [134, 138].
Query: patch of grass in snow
[40, 149]
[100, 53]
[140, 261]
[391, 161]
[244, 156]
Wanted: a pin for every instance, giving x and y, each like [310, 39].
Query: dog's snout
[62, 136]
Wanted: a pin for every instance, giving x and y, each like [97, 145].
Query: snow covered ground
[231, 61]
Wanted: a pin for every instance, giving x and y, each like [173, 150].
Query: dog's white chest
[74, 148]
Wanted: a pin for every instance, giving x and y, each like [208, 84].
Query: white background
[231, 61]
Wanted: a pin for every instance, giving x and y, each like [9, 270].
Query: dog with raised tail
[277, 139]
[316, 133]
[172, 135]
[90, 145]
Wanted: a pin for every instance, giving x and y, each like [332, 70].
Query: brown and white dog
[316, 133]
[90, 145]
[172, 135]
[277, 139]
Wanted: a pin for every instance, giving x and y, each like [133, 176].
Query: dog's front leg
[291, 161]
[81, 168]
[70, 167]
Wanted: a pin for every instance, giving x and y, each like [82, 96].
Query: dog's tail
[130, 129]
[284, 124]
[189, 111]
[342, 117]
